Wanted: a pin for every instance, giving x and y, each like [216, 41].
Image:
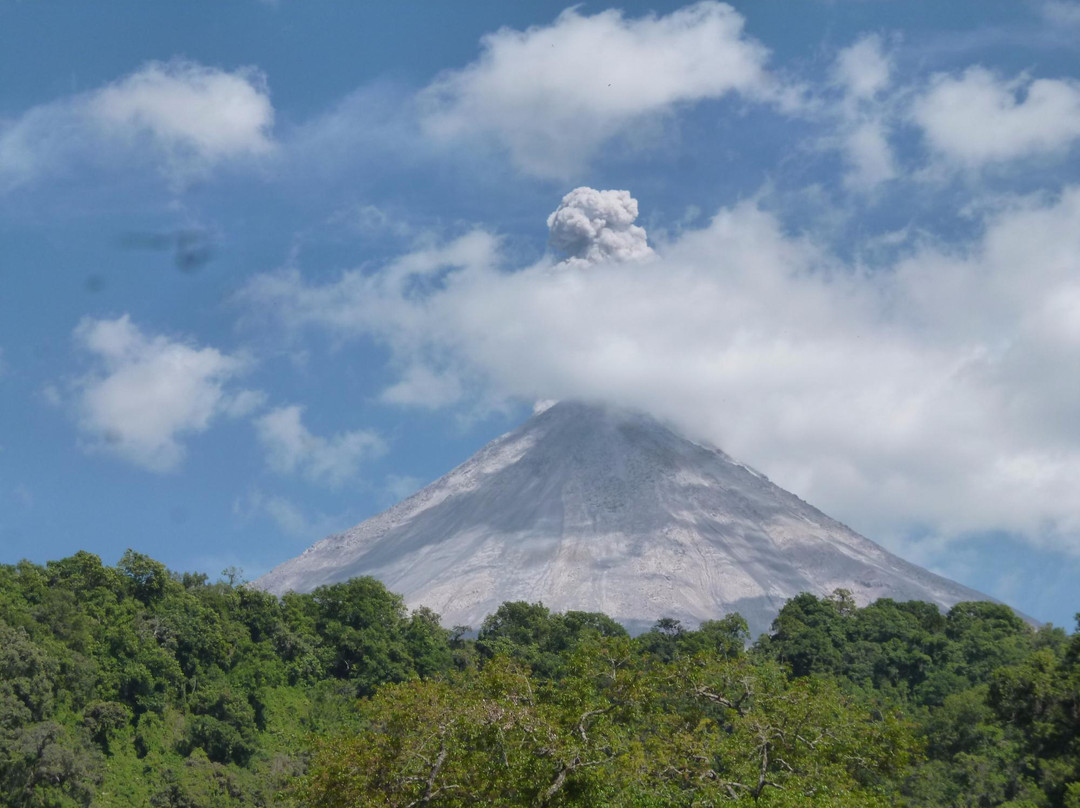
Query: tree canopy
[133, 685]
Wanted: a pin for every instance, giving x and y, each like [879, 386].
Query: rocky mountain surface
[590, 508]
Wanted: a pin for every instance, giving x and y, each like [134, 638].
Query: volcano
[593, 508]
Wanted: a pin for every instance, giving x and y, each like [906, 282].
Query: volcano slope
[591, 508]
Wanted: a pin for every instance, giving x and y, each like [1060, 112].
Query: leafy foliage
[135, 686]
[131, 685]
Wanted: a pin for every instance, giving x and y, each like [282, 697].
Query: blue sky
[269, 267]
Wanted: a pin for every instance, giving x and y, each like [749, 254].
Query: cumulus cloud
[146, 392]
[292, 448]
[978, 117]
[188, 108]
[937, 391]
[591, 226]
[553, 95]
[184, 115]
[863, 68]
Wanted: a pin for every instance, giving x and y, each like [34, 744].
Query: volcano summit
[597, 509]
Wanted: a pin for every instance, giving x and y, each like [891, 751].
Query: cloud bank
[553, 95]
[936, 390]
[145, 393]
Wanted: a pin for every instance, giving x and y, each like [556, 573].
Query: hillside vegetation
[135, 686]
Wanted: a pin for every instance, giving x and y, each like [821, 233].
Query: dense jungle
[132, 685]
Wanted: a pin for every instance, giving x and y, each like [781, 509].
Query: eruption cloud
[594, 227]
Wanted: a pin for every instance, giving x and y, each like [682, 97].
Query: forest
[132, 685]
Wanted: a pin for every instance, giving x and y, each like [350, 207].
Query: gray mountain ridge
[592, 508]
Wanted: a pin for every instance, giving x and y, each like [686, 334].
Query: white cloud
[188, 108]
[980, 118]
[869, 155]
[863, 71]
[29, 145]
[186, 116]
[290, 447]
[363, 297]
[863, 68]
[243, 402]
[553, 95]
[935, 391]
[146, 392]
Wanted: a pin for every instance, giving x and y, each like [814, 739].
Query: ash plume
[593, 227]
